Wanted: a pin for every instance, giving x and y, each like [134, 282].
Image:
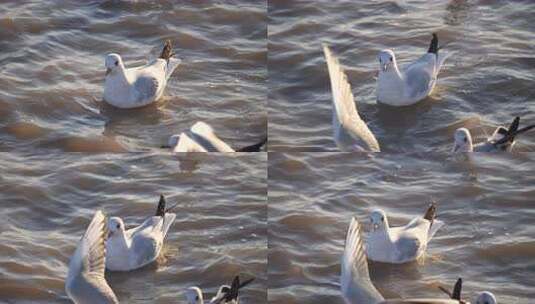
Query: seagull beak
[385, 66]
[108, 70]
[375, 227]
[110, 233]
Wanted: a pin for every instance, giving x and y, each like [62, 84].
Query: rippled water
[486, 83]
[52, 72]
[486, 203]
[48, 201]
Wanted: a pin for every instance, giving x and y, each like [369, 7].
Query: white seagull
[502, 140]
[134, 248]
[137, 87]
[403, 244]
[357, 287]
[414, 82]
[225, 295]
[201, 138]
[350, 132]
[85, 283]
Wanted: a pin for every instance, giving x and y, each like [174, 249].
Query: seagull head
[378, 220]
[115, 225]
[113, 63]
[387, 60]
[462, 141]
[486, 298]
[194, 295]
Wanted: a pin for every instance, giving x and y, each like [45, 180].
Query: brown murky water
[52, 72]
[487, 82]
[486, 202]
[220, 230]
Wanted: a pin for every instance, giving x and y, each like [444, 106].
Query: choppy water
[486, 83]
[220, 230]
[52, 72]
[486, 203]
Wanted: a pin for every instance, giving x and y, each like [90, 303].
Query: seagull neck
[121, 240]
[122, 75]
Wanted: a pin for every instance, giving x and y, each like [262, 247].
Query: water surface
[487, 81]
[486, 203]
[220, 230]
[52, 72]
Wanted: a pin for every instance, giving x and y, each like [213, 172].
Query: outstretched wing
[346, 115]
[355, 279]
[87, 265]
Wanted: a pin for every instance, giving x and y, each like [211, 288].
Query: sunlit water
[220, 230]
[487, 81]
[486, 203]
[52, 72]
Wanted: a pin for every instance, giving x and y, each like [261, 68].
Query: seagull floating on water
[502, 139]
[134, 248]
[225, 295]
[137, 87]
[400, 244]
[85, 283]
[414, 82]
[201, 138]
[350, 132]
[357, 287]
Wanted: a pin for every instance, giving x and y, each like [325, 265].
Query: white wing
[420, 76]
[85, 280]
[347, 117]
[204, 135]
[355, 279]
[186, 144]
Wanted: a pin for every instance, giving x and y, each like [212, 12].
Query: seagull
[85, 283]
[414, 82]
[350, 132]
[502, 140]
[137, 87]
[357, 287]
[134, 248]
[201, 138]
[225, 295]
[482, 298]
[403, 244]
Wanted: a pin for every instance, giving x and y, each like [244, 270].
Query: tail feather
[431, 212]
[433, 47]
[254, 148]
[457, 288]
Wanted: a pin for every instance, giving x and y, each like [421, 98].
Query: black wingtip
[457, 288]
[160, 211]
[431, 212]
[433, 47]
[514, 125]
[254, 148]
[167, 51]
[234, 290]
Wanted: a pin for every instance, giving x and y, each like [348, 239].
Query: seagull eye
[465, 139]
[118, 226]
[116, 63]
[390, 59]
[382, 218]
[196, 298]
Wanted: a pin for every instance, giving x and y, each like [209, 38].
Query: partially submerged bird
[225, 295]
[201, 138]
[400, 244]
[134, 248]
[357, 287]
[414, 82]
[502, 140]
[139, 86]
[351, 133]
[85, 282]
